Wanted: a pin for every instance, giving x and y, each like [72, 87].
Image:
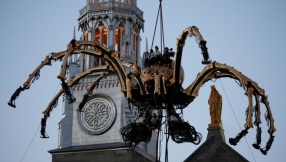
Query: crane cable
[30, 144]
[236, 119]
[160, 12]
[35, 133]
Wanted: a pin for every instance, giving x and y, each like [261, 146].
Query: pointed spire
[147, 45]
[73, 32]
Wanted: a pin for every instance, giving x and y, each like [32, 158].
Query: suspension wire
[162, 37]
[160, 132]
[236, 119]
[162, 27]
[30, 143]
[35, 133]
[155, 26]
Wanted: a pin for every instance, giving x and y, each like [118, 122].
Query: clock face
[98, 114]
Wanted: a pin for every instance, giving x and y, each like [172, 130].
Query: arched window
[104, 36]
[97, 40]
[100, 36]
[97, 35]
[85, 33]
[104, 42]
[135, 44]
[117, 39]
[126, 41]
[89, 1]
[135, 40]
[122, 40]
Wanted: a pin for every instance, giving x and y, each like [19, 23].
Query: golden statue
[215, 102]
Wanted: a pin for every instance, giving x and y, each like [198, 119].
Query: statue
[215, 102]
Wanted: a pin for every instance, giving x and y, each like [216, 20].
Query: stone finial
[215, 102]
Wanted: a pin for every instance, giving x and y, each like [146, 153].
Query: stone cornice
[107, 82]
[102, 9]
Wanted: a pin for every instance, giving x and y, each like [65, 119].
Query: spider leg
[191, 31]
[216, 70]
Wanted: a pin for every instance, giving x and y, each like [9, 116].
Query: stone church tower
[93, 134]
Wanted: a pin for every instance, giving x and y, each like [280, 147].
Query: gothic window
[100, 36]
[104, 42]
[126, 41]
[132, 1]
[97, 35]
[135, 44]
[104, 36]
[85, 34]
[117, 39]
[89, 1]
[126, 49]
[97, 40]
[135, 41]
[120, 38]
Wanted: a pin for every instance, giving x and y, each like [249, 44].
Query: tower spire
[146, 45]
[74, 33]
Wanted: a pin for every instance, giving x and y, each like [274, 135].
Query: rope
[236, 119]
[160, 12]
[35, 133]
[162, 27]
[30, 143]
[155, 26]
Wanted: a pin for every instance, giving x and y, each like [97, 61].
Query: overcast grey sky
[249, 35]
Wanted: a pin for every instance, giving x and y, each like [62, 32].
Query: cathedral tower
[115, 24]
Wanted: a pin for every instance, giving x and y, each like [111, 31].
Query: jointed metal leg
[43, 127]
[14, 96]
[256, 145]
[268, 145]
[234, 141]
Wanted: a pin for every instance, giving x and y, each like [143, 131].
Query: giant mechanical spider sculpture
[156, 87]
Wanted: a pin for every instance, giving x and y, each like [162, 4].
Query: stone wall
[121, 155]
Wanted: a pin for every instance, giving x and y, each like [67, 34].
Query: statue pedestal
[214, 125]
[216, 130]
